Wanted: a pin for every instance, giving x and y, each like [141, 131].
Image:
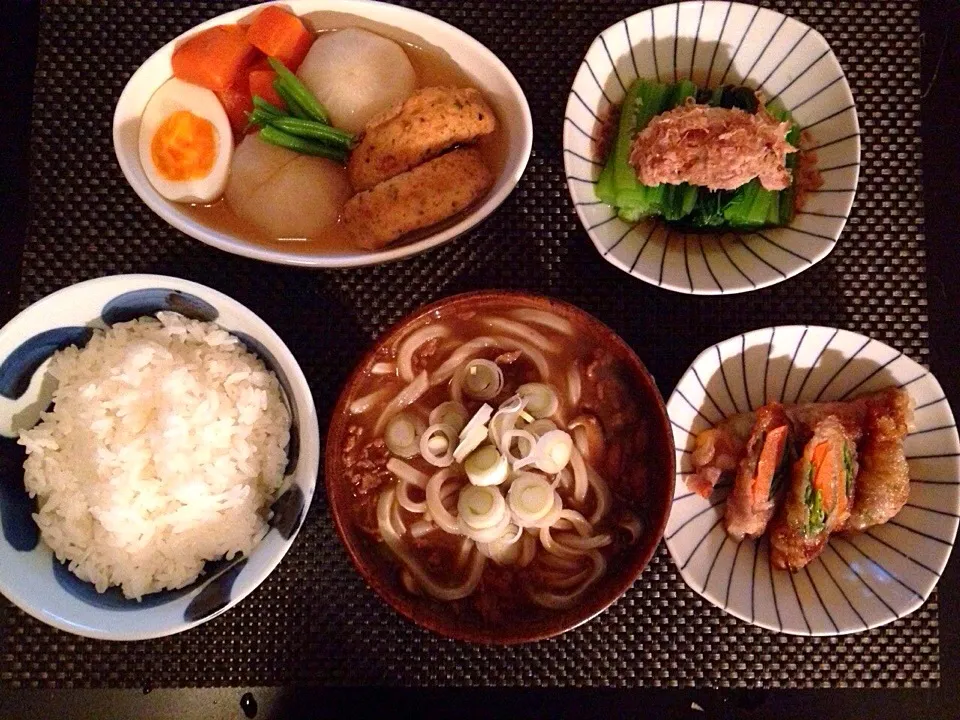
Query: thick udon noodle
[536, 503]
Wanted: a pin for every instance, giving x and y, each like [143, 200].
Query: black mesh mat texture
[314, 620]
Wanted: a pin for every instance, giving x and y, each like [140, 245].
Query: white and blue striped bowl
[862, 580]
[30, 575]
[714, 43]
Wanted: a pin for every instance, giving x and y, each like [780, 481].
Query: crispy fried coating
[818, 501]
[426, 124]
[883, 484]
[752, 500]
[418, 198]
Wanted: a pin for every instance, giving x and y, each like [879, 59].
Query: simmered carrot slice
[261, 83]
[825, 473]
[237, 102]
[770, 455]
[279, 34]
[214, 58]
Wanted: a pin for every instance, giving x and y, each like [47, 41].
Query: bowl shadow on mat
[748, 380]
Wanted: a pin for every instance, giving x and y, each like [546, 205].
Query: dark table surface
[940, 24]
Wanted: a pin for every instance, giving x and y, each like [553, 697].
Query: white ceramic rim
[510, 176]
[309, 453]
[936, 568]
[746, 284]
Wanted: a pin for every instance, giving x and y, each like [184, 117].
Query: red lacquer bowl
[651, 505]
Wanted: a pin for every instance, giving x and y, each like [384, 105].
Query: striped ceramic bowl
[714, 43]
[861, 580]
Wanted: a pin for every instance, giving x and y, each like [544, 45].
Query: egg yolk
[184, 147]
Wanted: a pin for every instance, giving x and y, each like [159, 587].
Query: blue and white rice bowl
[862, 580]
[715, 43]
[30, 575]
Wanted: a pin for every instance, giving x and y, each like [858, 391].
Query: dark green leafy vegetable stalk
[747, 208]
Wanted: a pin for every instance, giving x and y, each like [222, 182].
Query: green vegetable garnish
[293, 107]
[813, 499]
[749, 207]
[260, 104]
[299, 92]
[313, 130]
[848, 467]
[301, 145]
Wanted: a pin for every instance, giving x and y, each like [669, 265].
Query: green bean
[293, 107]
[260, 104]
[313, 130]
[261, 117]
[298, 90]
[280, 138]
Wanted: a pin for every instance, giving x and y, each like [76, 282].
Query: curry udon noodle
[492, 451]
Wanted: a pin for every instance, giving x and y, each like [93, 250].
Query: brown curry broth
[433, 68]
[499, 592]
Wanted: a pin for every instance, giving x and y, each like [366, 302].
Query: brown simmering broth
[608, 395]
[433, 68]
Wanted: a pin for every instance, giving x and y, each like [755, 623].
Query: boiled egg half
[186, 143]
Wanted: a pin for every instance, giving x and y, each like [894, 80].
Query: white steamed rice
[165, 447]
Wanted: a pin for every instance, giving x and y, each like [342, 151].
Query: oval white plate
[715, 43]
[486, 70]
[862, 580]
[30, 576]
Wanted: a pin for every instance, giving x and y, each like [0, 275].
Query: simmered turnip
[356, 75]
[285, 194]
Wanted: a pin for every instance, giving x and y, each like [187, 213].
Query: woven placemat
[314, 620]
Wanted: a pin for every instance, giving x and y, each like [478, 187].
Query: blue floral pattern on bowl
[30, 575]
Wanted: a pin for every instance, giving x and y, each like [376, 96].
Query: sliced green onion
[505, 420]
[542, 400]
[553, 450]
[450, 413]
[530, 499]
[506, 549]
[469, 442]
[514, 403]
[523, 438]
[482, 379]
[486, 466]
[299, 91]
[402, 435]
[480, 418]
[540, 427]
[481, 507]
[277, 137]
[437, 443]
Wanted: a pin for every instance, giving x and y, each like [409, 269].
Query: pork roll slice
[760, 474]
[717, 452]
[883, 483]
[819, 499]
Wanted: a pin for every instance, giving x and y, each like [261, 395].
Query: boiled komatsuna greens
[702, 159]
